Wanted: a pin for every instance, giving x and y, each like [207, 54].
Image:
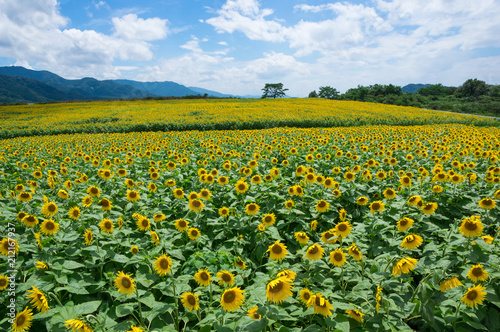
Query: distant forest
[473, 96]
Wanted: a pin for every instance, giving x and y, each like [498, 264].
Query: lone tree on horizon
[273, 90]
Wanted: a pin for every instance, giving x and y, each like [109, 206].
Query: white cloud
[131, 27]
[246, 16]
[33, 31]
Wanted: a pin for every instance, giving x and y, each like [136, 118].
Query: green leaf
[125, 309]
[71, 265]
[221, 328]
[256, 325]
[341, 323]
[148, 299]
[87, 307]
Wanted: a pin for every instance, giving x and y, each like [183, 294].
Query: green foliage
[328, 92]
[273, 90]
[472, 88]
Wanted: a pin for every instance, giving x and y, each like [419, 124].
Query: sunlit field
[210, 114]
[363, 228]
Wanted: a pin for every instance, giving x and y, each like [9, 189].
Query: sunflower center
[322, 204]
[204, 276]
[133, 195]
[241, 187]
[126, 283]
[306, 296]
[105, 203]
[410, 239]
[20, 320]
[471, 226]
[25, 195]
[196, 203]
[403, 222]
[93, 191]
[328, 235]
[276, 288]
[349, 175]
[51, 208]
[50, 225]
[226, 277]
[268, 219]
[277, 249]
[164, 264]
[30, 219]
[314, 250]
[145, 223]
[342, 227]
[376, 206]
[338, 256]
[182, 223]
[472, 295]
[107, 225]
[477, 271]
[3, 282]
[229, 297]
[191, 300]
[390, 192]
[487, 202]
[194, 232]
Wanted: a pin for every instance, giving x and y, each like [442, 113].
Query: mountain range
[22, 85]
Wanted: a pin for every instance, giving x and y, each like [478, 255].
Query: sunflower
[337, 257]
[106, 226]
[49, 209]
[474, 296]
[38, 300]
[232, 299]
[143, 223]
[429, 208]
[74, 213]
[159, 217]
[342, 214]
[252, 209]
[377, 206]
[105, 204]
[414, 200]
[404, 265]
[355, 314]
[30, 220]
[320, 304]
[279, 289]
[49, 227]
[4, 282]
[354, 252]
[269, 219]
[86, 201]
[77, 325]
[314, 252]
[196, 205]
[404, 224]
[322, 206]
[224, 212]
[240, 263]
[241, 187]
[124, 283]
[134, 328]
[405, 181]
[88, 236]
[22, 322]
[389, 193]
[471, 227]
[226, 278]
[178, 193]
[190, 301]
[477, 273]
[93, 191]
[301, 237]
[487, 203]
[314, 225]
[289, 204]
[134, 250]
[7, 246]
[193, 233]
[378, 298]
[24, 197]
[181, 225]
[252, 313]
[155, 238]
[222, 180]
[305, 295]
[411, 241]
[349, 176]
[449, 284]
[132, 195]
[163, 265]
[343, 229]
[203, 277]
[277, 251]
[287, 273]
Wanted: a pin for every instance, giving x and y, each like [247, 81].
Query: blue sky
[236, 46]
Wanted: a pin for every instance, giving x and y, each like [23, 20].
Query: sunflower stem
[176, 308]
[140, 308]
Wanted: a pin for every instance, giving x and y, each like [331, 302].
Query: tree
[328, 92]
[273, 90]
[473, 88]
[313, 94]
[433, 90]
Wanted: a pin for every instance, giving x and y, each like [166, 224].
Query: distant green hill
[413, 88]
[163, 89]
[15, 89]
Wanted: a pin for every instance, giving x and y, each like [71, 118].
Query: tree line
[473, 96]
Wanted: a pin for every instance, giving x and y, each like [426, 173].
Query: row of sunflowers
[360, 228]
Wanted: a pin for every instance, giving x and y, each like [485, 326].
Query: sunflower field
[364, 228]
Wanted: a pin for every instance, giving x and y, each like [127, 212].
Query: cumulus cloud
[34, 31]
[131, 27]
